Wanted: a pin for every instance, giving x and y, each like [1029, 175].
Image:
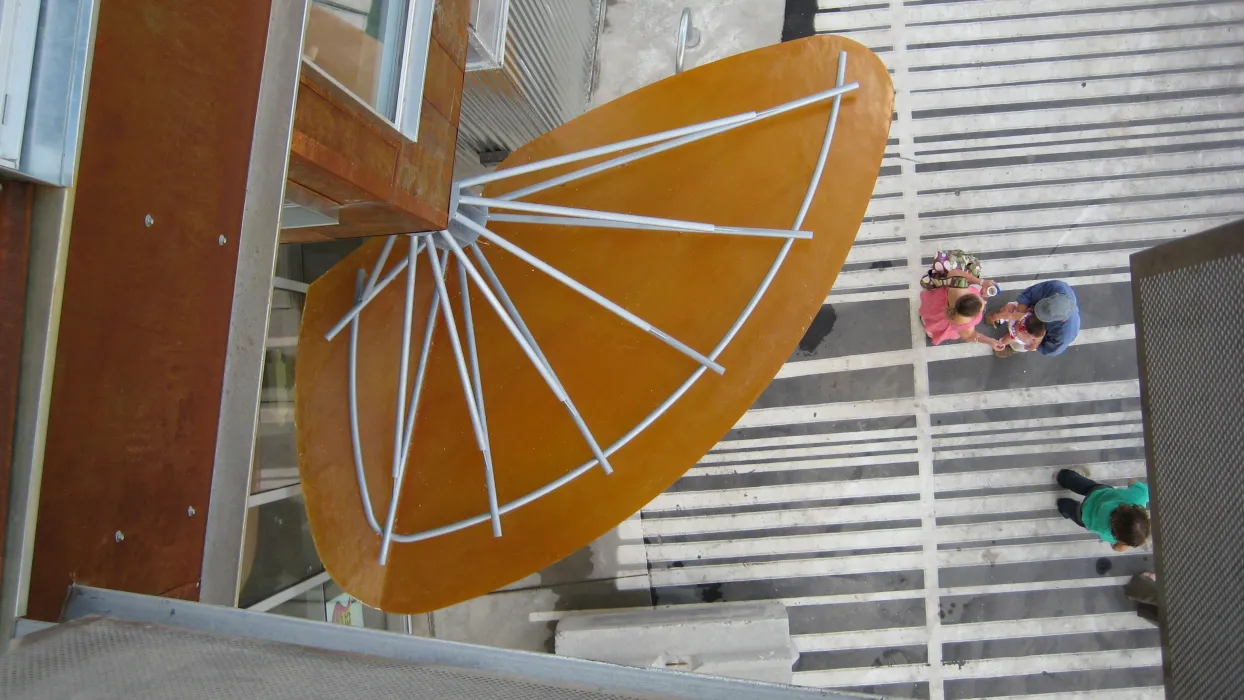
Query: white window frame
[486, 34]
[19, 23]
[406, 92]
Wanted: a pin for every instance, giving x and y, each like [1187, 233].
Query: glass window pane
[277, 550]
[308, 605]
[276, 453]
[359, 43]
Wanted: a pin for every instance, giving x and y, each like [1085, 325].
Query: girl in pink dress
[949, 314]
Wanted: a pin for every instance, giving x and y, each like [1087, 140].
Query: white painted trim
[1035, 476]
[1027, 424]
[1050, 434]
[852, 677]
[938, 353]
[1045, 627]
[827, 566]
[1057, 663]
[1155, 692]
[778, 518]
[864, 437]
[860, 639]
[810, 451]
[824, 463]
[784, 493]
[1012, 554]
[881, 408]
[1000, 450]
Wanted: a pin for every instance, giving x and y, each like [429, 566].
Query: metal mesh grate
[1192, 359]
[102, 658]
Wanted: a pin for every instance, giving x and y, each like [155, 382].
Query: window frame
[19, 25]
[402, 74]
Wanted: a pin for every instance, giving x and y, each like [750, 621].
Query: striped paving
[899, 498]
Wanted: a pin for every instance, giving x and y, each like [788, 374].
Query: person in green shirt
[1120, 517]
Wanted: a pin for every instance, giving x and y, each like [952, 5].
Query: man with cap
[1054, 303]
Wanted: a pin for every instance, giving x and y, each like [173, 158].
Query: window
[19, 21]
[486, 34]
[376, 49]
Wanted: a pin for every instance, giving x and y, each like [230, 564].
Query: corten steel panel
[15, 203]
[690, 286]
[1191, 352]
[384, 182]
[137, 388]
[449, 29]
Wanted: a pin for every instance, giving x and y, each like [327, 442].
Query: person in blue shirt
[1054, 303]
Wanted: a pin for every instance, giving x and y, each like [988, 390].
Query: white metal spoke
[384, 256]
[367, 298]
[447, 310]
[420, 370]
[601, 150]
[505, 318]
[696, 226]
[590, 294]
[456, 344]
[504, 297]
[601, 223]
[641, 221]
[404, 358]
[473, 355]
[674, 143]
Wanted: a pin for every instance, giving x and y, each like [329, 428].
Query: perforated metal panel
[1190, 340]
[101, 658]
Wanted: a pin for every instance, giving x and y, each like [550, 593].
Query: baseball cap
[1055, 308]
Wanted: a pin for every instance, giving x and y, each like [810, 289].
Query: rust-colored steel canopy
[693, 286]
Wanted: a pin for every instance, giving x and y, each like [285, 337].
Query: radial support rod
[696, 226]
[601, 223]
[456, 344]
[404, 358]
[421, 369]
[508, 322]
[504, 297]
[835, 93]
[473, 355]
[601, 150]
[590, 294]
[367, 297]
[384, 256]
[387, 537]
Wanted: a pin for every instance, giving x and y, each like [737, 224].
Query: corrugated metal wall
[545, 80]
